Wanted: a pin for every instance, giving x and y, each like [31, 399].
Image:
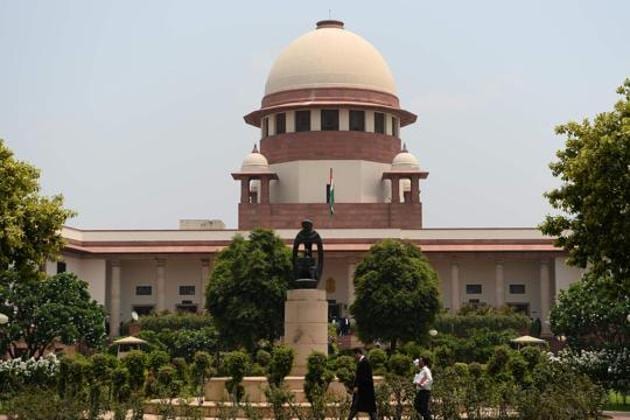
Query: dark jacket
[363, 381]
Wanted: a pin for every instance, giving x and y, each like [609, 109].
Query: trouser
[423, 398]
[354, 409]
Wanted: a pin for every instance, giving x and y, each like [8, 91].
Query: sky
[133, 110]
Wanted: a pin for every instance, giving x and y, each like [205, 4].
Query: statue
[306, 270]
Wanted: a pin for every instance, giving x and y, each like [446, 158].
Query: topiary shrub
[345, 367]
[135, 361]
[316, 382]
[400, 365]
[280, 364]
[168, 383]
[263, 357]
[236, 364]
[201, 370]
[378, 361]
[156, 359]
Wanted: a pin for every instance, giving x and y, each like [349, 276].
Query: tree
[248, 288]
[397, 294]
[30, 224]
[594, 196]
[42, 311]
[592, 314]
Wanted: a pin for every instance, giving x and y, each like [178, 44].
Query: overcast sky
[133, 109]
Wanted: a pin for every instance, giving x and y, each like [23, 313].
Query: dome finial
[255, 149]
[329, 23]
[404, 148]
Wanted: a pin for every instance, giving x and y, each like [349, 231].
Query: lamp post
[432, 333]
[3, 319]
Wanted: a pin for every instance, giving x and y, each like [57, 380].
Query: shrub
[236, 364]
[201, 369]
[175, 322]
[378, 361]
[345, 367]
[263, 357]
[462, 324]
[156, 359]
[135, 362]
[400, 365]
[316, 382]
[280, 364]
[559, 393]
[168, 383]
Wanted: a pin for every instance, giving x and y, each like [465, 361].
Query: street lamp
[628, 317]
[3, 319]
[433, 333]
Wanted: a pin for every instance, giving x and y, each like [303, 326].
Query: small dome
[330, 56]
[255, 162]
[405, 161]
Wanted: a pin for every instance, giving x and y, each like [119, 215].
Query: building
[330, 111]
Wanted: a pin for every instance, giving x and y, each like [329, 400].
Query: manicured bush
[462, 325]
[280, 364]
[236, 365]
[345, 367]
[378, 361]
[156, 359]
[263, 357]
[400, 365]
[175, 322]
[316, 382]
[135, 362]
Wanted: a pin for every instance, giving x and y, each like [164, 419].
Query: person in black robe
[363, 397]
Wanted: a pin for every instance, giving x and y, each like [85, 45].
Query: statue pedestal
[305, 325]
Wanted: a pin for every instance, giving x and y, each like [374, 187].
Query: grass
[618, 402]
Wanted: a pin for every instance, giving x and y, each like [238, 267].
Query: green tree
[42, 311]
[248, 288]
[594, 196]
[592, 313]
[397, 295]
[30, 223]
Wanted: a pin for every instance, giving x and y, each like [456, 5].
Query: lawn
[618, 402]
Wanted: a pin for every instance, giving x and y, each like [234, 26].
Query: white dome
[405, 161]
[255, 162]
[330, 57]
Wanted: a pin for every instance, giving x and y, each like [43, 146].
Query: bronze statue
[306, 270]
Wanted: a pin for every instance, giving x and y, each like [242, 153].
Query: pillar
[395, 179]
[351, 269]
[205, 277]
[500, 286]
[114, 300]
[160, 281]
[455, 294]
[264, 190]
[245, 190]
[415, 189]
[544, 296]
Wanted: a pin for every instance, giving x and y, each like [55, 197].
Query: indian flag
[331, 194]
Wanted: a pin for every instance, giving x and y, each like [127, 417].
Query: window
[61, 267]
[330, 120]
[186, 307]
[143, 310]
[517, 289]
[144, 290]
[281, 123]
[473, 289]
[186, 290]
[522, 308]
[394, 126]
[379, 122]
[302, 121]
[357, 120]
[265, 127]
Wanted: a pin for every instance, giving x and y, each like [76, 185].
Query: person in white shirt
[423, 380]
